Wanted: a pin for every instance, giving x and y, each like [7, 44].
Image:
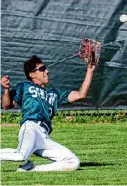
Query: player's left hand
[90, 51]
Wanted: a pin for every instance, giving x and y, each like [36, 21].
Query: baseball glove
[90, 51]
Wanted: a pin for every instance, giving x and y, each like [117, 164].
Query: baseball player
[38, 106]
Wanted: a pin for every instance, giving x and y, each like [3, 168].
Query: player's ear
[32, 75]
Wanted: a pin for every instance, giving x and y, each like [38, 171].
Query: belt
[42, 124]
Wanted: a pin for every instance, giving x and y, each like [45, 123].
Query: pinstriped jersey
[38, 103]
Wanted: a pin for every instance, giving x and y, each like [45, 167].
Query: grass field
[101, 147]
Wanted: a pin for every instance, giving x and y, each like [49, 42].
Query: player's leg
[26, 147]
[7, 150]
[63, 158]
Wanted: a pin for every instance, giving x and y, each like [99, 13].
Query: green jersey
[37, 103]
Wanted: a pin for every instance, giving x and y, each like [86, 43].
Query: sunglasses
[41, 69]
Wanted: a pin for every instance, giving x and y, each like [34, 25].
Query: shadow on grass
[84, 164]
[88, 164]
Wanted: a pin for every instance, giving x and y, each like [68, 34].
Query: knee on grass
[72, 163]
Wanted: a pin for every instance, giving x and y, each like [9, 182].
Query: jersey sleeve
[63, 96]
[17, 92]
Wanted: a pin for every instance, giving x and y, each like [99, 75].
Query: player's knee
[74, 163]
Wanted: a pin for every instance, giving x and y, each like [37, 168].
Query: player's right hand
[5, 82]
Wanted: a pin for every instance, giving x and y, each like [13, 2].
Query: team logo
[37, 92]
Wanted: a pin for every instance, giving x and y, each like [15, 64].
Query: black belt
[44, 126]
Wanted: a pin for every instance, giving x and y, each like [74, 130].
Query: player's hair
[30, 65]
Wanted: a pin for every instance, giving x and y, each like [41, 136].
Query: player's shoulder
[52, 90]
[23, 84]
[26, 83]
[57, 90]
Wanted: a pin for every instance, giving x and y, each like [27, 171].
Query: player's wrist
[91, 68]
[6, 90]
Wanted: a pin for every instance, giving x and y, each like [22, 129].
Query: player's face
[41, 74]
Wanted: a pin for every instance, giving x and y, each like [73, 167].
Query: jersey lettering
[33, 91]
[37, 92]
[52, 98]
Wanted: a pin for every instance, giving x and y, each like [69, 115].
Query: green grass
[101, 147]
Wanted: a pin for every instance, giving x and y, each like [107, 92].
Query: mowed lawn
[102, 149]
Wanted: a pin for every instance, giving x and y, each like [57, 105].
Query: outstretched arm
[7, 102]
[82, 93]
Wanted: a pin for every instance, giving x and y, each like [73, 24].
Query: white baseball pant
[34, 139]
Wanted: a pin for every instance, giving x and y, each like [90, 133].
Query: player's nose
[46, 70]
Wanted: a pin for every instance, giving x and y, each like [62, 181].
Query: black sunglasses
[41, 69]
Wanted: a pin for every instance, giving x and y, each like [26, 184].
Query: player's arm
[82, 93]
[7, 101]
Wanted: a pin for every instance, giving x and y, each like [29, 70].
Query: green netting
[53, 30]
